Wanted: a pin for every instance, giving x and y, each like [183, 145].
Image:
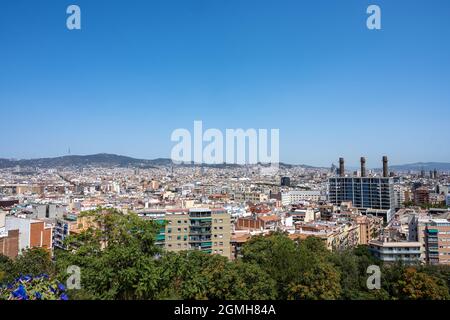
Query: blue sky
[140, 69]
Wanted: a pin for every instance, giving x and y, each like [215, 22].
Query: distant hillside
[102, 160]
[113, 160]
[106, 160]
[427, 166]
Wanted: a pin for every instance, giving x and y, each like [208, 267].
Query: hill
[108, 160]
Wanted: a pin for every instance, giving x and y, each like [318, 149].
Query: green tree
[118, 258]
[6, 267]
[317, 277]
[301, 270]
[247, 282]
[32, 261]
[186, 274]
[277, 255]
[320, 282]
[416, 285]
[197, 275]
[352, 265]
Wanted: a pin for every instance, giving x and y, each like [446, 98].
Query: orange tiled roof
[269, 218]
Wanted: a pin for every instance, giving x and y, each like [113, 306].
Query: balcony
[400, 252]
[206, 244]
[201, 224]
[200, 233]
[196, 239]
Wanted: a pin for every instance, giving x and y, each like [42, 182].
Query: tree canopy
[119, 259]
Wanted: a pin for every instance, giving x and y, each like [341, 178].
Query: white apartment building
[3, 231]
[296, 196]
[408, 252]
[255, 197]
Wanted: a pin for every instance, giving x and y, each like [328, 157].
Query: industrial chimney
[341, 167]
[385, 166]
[363, 167]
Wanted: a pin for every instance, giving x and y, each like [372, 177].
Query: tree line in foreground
[120, 260]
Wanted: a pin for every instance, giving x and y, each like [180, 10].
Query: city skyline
[377, 165]
[135, 73]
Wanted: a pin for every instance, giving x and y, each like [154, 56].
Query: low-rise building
[238, 239]
[258, 222]
[254, 197]
[369, 228]
[9, 240]
[408, 252]
[336, 236]
[437, 241]
[71, 223]
[32, 232]
[296, 196]
[421, 196]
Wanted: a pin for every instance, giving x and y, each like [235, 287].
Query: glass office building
[363, 192]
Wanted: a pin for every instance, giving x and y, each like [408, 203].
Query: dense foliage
[120, 260]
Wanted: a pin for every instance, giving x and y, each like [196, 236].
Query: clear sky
[140, 69]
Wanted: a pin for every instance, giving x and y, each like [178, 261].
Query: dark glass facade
[363, 192]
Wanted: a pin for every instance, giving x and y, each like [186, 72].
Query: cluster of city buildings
[401, 215]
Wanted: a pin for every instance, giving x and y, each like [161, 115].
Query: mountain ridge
[114, 160]
[106, 160]
[418, 166]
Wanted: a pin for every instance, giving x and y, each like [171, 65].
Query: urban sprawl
[217, 209]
